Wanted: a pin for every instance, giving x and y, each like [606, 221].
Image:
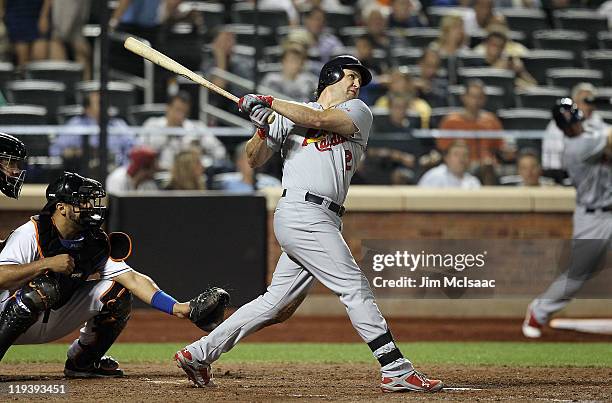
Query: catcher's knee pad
[24, 308]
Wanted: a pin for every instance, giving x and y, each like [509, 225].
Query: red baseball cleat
[531, 327]
[413, 381]
[199, 374]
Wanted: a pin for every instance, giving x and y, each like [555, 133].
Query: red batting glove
[261, 133]
[268, 99]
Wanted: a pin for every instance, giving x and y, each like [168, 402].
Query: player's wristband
[261, 133]
[163, 302]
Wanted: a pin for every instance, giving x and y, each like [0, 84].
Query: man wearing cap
[321, 143]
[138, 175]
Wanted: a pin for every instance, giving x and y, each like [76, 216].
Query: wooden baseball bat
[136, 46]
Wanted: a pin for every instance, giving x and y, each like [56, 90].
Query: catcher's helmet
[83, 193]
[566, 113]
[12, 158]
[333, 71]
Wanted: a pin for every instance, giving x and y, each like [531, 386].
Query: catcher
[60, 270]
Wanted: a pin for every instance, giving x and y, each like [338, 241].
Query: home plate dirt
[316, 382]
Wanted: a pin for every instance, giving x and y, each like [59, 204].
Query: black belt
[594, 210]
[309, 197]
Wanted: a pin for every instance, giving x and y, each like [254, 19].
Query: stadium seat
[604, 39]
[67, 72]
[122, 95]
[341, 17]
[419, 37]
[244, 13]
[606, 116]
[599, 60]
[138, 114]
[437, 114]
[537, 61]
[50, 94]
[569, 77]
[245, 35]
[539, 97]
[603, 99]
[66, 112]
[490, 76]
[469, 58]
[436, 13]
[581, 19]
[7, 73]
[516, 36]
[16, 115]
[406, 56]
[525, 19]
[349, 34]
[212, 13]
[496, 97]
[183, 42]
[524, 118]
[559, 39]
[381, 118]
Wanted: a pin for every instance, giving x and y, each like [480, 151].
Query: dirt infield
[269, 382]
[152, 326]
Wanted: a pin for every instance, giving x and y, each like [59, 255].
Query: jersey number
[348, 159]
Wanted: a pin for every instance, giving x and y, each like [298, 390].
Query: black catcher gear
[12, 160]
[207, 309]
[566, 113]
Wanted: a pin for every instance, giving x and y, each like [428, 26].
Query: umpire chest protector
[89, 252]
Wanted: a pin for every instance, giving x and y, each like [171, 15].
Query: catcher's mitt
[207, 309]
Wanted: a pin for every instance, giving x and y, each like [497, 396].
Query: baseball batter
[321, 143]
[587, 157]
[60, 270]
[12, 157]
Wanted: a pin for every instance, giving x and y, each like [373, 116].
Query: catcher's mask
[85, 194]
[333, 71]
[566, 114]
[12, 162]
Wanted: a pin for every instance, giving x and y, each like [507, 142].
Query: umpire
[588, 159]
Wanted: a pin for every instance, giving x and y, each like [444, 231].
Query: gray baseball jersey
[309, 235]
[317, 161]
[583, 158]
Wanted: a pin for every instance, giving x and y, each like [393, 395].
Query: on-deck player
[321, 143]
[12, 157]
[60, 270]
[587, 156]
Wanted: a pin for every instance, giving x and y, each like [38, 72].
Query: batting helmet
[83, 193]
[333, 71]
[12, 157]
[566, 113]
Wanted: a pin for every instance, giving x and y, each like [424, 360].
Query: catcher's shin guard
[24, 307]
[107, 325]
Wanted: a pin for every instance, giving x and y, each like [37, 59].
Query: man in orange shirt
[473, 117]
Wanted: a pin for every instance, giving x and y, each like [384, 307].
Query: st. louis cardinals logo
[323, 140]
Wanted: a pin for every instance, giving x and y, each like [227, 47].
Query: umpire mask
[12, 162]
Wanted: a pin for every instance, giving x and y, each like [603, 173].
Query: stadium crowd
[469, 65]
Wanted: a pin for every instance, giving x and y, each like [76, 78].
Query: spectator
[292, 80]
[453, 172]
[244, 180]
[452, 36]
[224, 58]
[479, 16]
[400, 84]
[404, 14]
[473, 117]
[67, 20]
[286, 5]
[187, 171]
[398, 121]
[529, 171]
[495, 57]
[376, 24]
[552, 145]
[364, 51]
[511, 48]
[138, 175]
[27, 25]
[71, 149]
[430, 87]
[142, 17]
[177, 110]
[326, 44]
